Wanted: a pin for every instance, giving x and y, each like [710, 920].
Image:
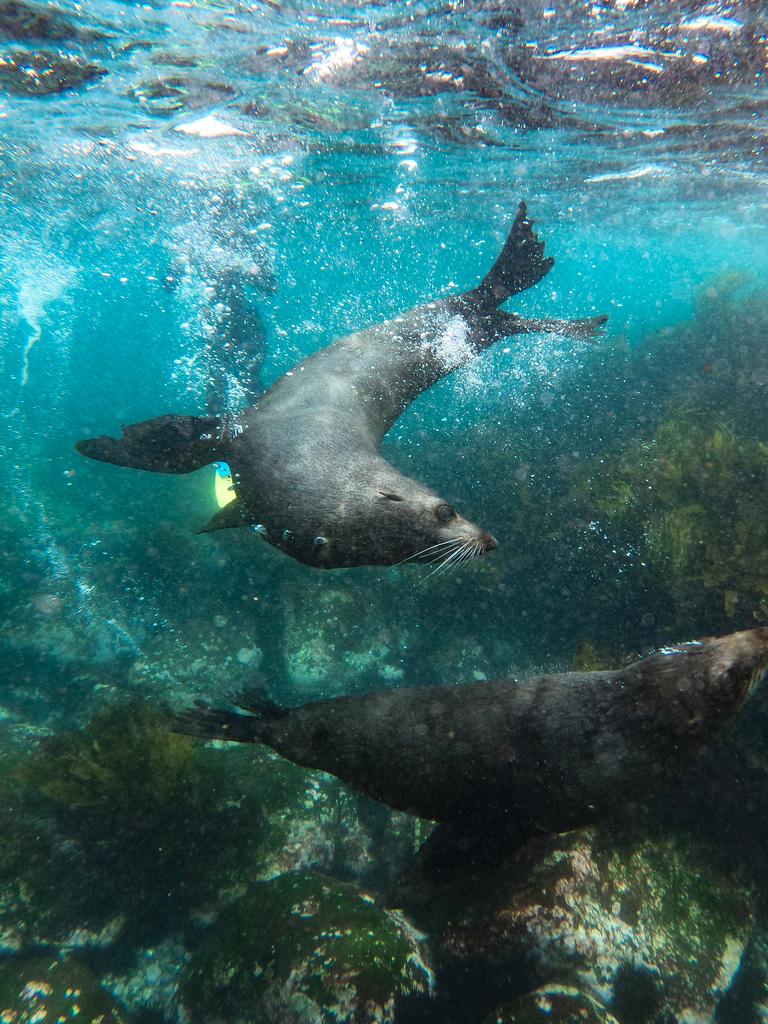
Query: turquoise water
[366, 158]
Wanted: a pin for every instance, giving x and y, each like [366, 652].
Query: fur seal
[543, 754]
[305, 458]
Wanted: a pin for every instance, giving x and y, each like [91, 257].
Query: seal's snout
[489, 542]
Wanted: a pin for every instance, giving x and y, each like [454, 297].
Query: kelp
[692, 499]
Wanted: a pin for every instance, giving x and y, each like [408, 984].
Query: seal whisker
[442, 556]
[467, 555]
[447, 562]
[431, 549]
[471, 550]
[456, 560]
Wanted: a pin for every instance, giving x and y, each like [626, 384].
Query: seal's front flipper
[167, 444]
[521, 264]
[227, 518]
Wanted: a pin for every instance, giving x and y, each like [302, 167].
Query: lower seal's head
[388, 521]
[708, 681]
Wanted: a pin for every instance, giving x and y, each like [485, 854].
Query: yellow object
[225, 490]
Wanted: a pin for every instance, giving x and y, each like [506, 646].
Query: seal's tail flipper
[507, 324]
[167, 444]
[218, 724]
[521, 264]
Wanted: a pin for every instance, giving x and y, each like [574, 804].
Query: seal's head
[389, 520]
[707, 681]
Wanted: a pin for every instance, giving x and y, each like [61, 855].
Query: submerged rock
[333, 644]
[310, 821]
[647, 924]
[166, 96]
[553, 1004]
[43, 72]
[21, 21]
[304, 949]
[45, 989]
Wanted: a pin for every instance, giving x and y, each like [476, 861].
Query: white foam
[451, 346]
[150, 149]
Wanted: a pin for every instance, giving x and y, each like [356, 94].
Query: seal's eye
[445, 513]
[390, 496]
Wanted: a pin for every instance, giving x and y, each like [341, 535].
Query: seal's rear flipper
[507, 324]
[521, 264]
[211, 723]
[220, 724]
[167, 444]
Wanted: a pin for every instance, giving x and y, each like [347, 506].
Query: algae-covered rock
[304, 948]
[333, 643]
[552, 1004]
[22, 20]
[148, 827]
[60, 992]
[312, 821]
[164, 96]
[148, 985]
[142, 823]
[43, 72]
[646, 924]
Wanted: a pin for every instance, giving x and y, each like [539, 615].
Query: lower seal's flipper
[167, 444]
[237, 726]
[217, 724]
[521, 264]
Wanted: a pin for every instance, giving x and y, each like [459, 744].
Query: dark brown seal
[547, 753]
[305, 459]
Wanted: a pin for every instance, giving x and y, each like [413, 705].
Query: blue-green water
[368, 158]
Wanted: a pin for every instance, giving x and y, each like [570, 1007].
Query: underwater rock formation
[131, 817]
[21, 20]
[303, 949]
[645, 922]
[151, 830]
[166, 96]
[333, 643]
[310, 821]
[45, 989]
[43, 72]
[553, 1004]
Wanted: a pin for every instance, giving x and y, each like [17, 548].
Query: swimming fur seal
[305, 458]
[548, 753]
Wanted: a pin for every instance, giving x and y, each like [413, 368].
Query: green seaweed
[691, 499]
[144, 823]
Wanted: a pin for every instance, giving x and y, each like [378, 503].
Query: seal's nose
[489, 542]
